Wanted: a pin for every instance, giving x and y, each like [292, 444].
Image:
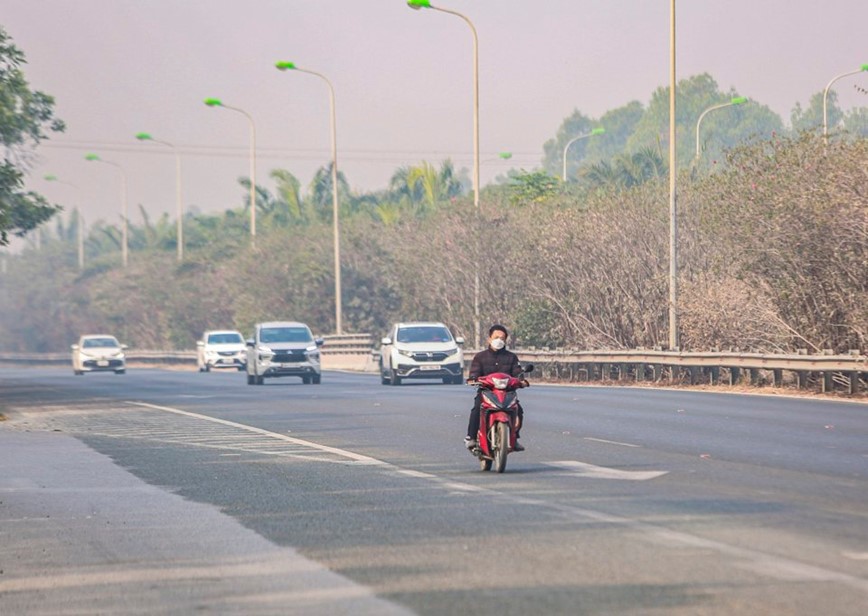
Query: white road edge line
[356, 457]
[765, 564]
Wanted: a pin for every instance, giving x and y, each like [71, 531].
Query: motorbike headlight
[500, 383]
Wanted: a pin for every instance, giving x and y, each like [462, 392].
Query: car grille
[112, 363]
[286, 357]
[429, 356]
[226, 353]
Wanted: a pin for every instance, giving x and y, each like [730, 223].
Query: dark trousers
[473, 424]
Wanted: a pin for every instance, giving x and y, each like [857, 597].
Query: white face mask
[497, 343]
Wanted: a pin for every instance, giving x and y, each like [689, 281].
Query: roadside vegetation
[773, 226]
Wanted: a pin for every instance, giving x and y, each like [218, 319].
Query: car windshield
[99, 343]
[285, 334]
[426, 333]
[230, 338]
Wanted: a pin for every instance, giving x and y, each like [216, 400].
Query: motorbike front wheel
[501, 447]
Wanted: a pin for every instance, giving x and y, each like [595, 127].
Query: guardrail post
[754, 376]
[694, 374]
[734, 375]
[640, 372]
[802, 378]
[853, 386]
[714, 373]
[657, 372]
[779, 377]
[828, 384]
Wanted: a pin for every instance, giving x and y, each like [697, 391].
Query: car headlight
[265, 353]
[451, 351]
[119, 355]
[405, 352]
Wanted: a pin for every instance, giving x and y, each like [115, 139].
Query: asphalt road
[174, 491]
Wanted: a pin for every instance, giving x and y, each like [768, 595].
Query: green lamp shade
[91, 157]
[739, 100]
[285, 66]
[143, 136]
[419, 4]
[213, 102]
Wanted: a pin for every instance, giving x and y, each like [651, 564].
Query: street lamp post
[597, 131]
[179, 207]
[286, 66]
[673, 206]
[738, 100]
[426, 4]
[863, 68]
[124, 240]
[80, 221]
[216, 102]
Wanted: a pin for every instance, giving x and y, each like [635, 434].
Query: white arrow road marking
[582, 469]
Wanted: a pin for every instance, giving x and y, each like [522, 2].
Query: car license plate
[429, 367]
[102, 363]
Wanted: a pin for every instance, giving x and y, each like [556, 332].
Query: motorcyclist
[493, 359]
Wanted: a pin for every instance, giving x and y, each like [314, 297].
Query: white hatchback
[222, 348]
[98, 353]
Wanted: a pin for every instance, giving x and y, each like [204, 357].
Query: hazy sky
[403, 80]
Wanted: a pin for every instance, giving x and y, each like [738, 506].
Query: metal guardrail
[844, 372]
[694, 368]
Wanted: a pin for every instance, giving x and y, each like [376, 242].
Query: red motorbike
[498, 418]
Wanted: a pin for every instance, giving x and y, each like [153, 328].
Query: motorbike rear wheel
[501, 447]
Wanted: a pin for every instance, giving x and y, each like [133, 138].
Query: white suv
[98, 353]
[221, 349]
[421, 351]
[283, 348]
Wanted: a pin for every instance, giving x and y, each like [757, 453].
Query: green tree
[321, 191]
[811, 117]
[724, 128]
[856, 121]
[620, 124]
[553, 149]
[532, 187]
[26, 117]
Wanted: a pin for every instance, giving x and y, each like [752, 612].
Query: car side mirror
[200, 344]
[528, 368]
[319, 341]
[250, 342]
[74, 347]
[386, 341]
[124, 346]
[459, 340]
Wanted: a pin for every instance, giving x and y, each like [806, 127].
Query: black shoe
[518, 446]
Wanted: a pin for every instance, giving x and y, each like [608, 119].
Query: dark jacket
[488, 362]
